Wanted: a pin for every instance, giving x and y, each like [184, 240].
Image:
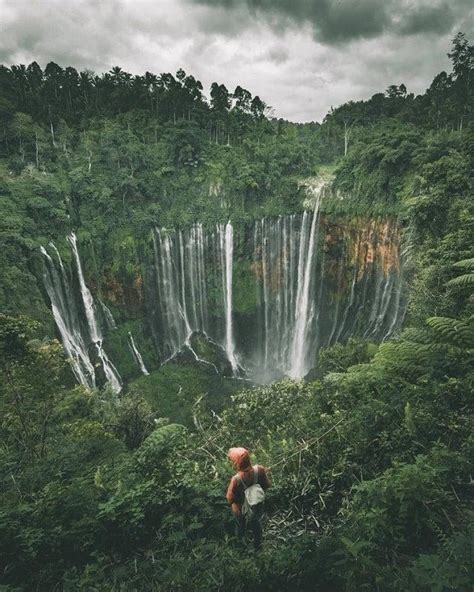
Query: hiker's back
[244, 479]
[246, 494]
[254, 483]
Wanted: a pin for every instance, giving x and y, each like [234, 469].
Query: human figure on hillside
[246, 493]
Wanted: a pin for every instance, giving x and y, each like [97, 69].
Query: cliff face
[270, 293]
[355, 284]
[127, 293]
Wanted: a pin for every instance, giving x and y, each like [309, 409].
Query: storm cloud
[300, 56]
[339, 21]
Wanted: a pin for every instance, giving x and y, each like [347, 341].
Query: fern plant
[466, 279]
[456, 332]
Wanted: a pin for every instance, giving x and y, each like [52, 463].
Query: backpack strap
[240, 480]
[255, 478]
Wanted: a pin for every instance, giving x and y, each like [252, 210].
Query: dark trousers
[250, 521]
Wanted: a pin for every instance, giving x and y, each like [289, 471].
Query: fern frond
[417, 335]
[407, 354]
[465, 264]
[462, 280]
[459, 333]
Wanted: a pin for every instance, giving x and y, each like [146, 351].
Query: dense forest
[370, 455]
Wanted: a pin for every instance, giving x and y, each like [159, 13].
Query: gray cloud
[274, 49]
[340, 21]
[427, 19]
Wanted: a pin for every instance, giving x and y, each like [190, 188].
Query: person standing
[246, 493]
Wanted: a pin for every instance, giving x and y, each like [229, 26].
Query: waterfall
[184, 269]
[284, 255]
[171, 258]
[399, 308]
[313, 287]
[318, 285]
[268, 296]
[229, 330]
[175, 255]
[111, 373]
[109, 319]
[137, 355]
[67, 318]
[299, 363]
[348, 308]
[87, 299]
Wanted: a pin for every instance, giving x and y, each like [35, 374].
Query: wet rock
[202, 351]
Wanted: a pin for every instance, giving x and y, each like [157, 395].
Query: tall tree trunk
[52, 133]
[346, 138]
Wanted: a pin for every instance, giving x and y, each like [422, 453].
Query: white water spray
[299, 363]
[229, 329]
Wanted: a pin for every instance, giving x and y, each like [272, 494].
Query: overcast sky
[299, 56]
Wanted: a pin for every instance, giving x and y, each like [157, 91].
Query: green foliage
[131, 418]
[463, 280]
[158, 449]
[370, 463]
[340, 357]
[450, 568]
[244, 293]
[370, 473]
[454, 332]
[466, 279]
[172, 390]
[14, 334]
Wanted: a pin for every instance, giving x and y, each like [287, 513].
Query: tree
[194, 89]
[23, 129]
[220, 98]
[395, 92]
[33, 374]
[243, 99]
[151, 82]
[53, 75]
[438, 94]
[257, 107]
[346, 116]
[462, 57]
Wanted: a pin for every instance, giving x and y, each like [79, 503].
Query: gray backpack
[254, 494]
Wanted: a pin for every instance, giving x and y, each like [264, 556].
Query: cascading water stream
[182, 273]
[229, 329]
[137, 355]
[109, 319]
[66, 319]
[111, 373]
[304, 303]
[87, 299]
[266, 298]
[75, 339]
